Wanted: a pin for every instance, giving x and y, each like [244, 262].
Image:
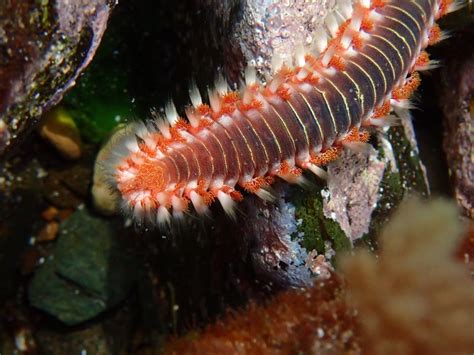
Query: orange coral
[415, 298]
[312, 321]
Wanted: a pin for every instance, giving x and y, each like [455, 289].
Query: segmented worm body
[362, 65]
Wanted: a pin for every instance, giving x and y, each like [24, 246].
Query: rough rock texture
[44, 47]
[88, 273]
[456, 94]
[268, 28]
[353, 190]
[273, 245]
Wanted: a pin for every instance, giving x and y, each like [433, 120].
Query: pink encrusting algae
[362, 66]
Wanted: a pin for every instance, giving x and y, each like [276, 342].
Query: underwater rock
[58, 128]
[44, 47]
[456, 91]
[353, 190]
[276, 256]
[88, 272]
[271, 28]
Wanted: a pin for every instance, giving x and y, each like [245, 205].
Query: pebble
[49, 232]
[50, 213]
[59, 129]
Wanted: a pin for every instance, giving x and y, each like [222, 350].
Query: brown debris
[50, 213]
[416, 298]
[49, 232]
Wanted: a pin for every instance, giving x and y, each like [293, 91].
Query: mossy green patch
[408, 162]
[315, 229]
[408, 177]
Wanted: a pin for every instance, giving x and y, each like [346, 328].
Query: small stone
[50, 213]
[49, 232]
[89, 271]
[59, 129]
[61, 298]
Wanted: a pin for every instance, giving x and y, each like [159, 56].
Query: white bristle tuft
[138, 212]
[445, 34]
[250, 75]
[275, 84]
[332, 25]
[192, 117]
[221, 85]
[228, 204]
[163, 216]
[164, 127]
[389, 121]
[179, 205]
[432, 64]
[457, 5]
[132, 145]
[345, 8]
[320, 40]
[404, 104]
[293, 179]
[276, 63]
[302, 74]
[299, 55]
[365, 3]
[171, 113]
[198, 203]
[214, 100]
[141, 130]
[358, 147]
[265, 194]
[195, 95]
[316, 170]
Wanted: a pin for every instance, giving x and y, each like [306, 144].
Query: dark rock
[44, 46]
[63, 299]
[456, 92]
[89, 271]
